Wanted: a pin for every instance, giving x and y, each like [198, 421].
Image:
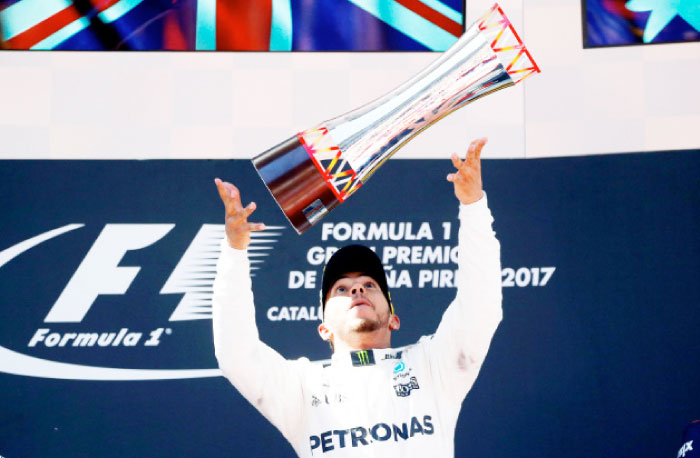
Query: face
[356, 303]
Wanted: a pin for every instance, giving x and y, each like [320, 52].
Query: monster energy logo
[362, 358]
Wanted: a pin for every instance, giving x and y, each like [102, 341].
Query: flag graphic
[237, 25]
[624, 22]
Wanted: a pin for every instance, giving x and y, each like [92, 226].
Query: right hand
[237, 226]
[467, 178]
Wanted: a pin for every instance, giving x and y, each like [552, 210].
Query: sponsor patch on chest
[404, 389]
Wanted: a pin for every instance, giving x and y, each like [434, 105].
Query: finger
[222, 190]
[479, 147]
[456, 161]
[233, 205]
[456, 177]
[471, 150]
[255, 227]
[474, 152]
[240, 217]
[227, 191]
[249, 209]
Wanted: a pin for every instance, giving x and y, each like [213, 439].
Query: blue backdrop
[596, 356]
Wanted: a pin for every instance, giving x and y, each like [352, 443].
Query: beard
[369, 325]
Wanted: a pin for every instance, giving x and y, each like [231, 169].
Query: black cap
[354, 258]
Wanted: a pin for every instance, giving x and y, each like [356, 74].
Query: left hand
[238, 228]
[467, 178]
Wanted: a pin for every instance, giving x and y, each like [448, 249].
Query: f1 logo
[99, 273]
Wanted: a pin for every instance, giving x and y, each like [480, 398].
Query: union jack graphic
[251, 25]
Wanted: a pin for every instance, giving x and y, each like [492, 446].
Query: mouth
[359, 303]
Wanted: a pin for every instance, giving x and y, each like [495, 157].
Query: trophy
[316, 170]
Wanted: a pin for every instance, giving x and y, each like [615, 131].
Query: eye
[369, 285]
[340, 289]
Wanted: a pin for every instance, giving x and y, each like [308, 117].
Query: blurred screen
[626, 22]
[240, 25]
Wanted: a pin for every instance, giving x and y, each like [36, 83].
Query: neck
[362, 341]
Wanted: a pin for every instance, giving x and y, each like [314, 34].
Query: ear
[394, 322]
[324, 332]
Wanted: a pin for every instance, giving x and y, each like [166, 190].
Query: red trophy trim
[508, 45]
[336, 171]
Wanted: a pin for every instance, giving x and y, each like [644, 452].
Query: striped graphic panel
[231, 25]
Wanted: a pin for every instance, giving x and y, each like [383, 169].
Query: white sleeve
[459, 346]
[268, 381]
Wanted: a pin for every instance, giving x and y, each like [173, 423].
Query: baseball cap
[354, 258]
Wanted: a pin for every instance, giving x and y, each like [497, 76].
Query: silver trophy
[316, 170]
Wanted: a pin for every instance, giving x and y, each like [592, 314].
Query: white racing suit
[397, 402]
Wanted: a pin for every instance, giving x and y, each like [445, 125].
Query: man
[371, 400]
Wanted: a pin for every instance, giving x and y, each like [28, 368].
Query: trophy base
[296, 183]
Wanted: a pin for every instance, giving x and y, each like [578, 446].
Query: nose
[357, 288]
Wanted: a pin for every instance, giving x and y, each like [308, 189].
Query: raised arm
[267, 380]
[461, 342]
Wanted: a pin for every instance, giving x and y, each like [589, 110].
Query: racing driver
[371, 400]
